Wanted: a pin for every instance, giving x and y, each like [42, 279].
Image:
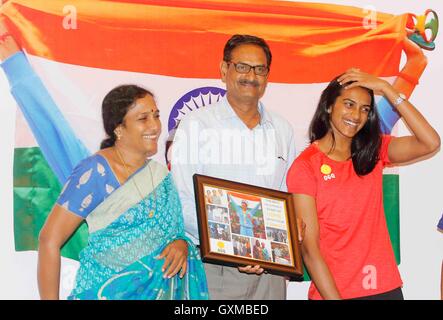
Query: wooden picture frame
[241, 224]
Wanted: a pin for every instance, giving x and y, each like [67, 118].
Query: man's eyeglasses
[245, 68]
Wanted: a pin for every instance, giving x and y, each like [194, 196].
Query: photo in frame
[241, 224]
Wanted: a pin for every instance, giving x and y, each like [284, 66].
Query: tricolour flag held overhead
[80, 49]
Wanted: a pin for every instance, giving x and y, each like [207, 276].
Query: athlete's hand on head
[362, 79]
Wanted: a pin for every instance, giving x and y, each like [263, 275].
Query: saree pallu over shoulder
[125, 239]
[128, 195]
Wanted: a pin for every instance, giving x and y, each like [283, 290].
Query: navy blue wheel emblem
[195, 99]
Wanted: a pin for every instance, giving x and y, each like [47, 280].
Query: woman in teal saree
[137, 248]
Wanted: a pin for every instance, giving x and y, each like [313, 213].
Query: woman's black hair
[115, 106]
[365, 146]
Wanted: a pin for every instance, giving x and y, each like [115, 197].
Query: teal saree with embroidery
[127, 233]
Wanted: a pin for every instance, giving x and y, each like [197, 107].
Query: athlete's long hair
[365, 146]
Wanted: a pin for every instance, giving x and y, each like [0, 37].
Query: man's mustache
[247, 82]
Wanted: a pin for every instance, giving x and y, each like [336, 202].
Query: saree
[126, 235]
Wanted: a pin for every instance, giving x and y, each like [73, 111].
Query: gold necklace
[152, 211]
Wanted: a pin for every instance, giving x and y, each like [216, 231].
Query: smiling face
[244, 87]
[350, 112]
[141, 126]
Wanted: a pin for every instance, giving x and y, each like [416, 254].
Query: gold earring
[118, 134]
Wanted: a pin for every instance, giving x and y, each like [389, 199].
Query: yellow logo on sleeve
[327, 171]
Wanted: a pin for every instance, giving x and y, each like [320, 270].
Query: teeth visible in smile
[351, 123]
[148, 137]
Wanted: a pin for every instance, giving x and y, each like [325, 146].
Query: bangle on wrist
[399, 100]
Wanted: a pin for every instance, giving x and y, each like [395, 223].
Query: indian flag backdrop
[83, 48]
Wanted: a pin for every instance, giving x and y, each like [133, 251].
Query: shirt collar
[225, 111]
